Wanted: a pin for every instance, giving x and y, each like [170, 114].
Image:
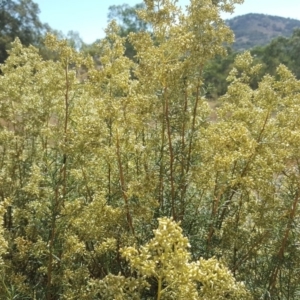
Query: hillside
[259, 29]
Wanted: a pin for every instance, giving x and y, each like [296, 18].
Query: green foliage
[19, 18]
[115, 184]
[128, 21]
[279, 51]
[127, 18]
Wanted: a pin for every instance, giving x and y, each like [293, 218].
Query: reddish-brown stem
[64, 170]
[58, 202]
[109, 165]
[123, 185]
[190, 144]
[244, 171]
[86, 184]
[215, 206]
[280, 253]
[161, 169]
[51, 245]
[169, 133]
[250, 252]
[183, 184]
[193, 127]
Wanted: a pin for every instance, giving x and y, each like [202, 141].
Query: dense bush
[115, 184]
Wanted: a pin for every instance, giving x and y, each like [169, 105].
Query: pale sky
[89, 17]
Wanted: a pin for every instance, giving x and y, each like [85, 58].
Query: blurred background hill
[258, 29]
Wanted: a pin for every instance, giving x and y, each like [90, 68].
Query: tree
[19, 18]
[128, 21]
[127, 18]
[280, 50]
[120, 187]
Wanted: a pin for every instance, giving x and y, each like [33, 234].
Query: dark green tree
[281, 50]
[19, 18]
[127, 18]
[216, 73]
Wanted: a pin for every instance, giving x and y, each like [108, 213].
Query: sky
[89, 17]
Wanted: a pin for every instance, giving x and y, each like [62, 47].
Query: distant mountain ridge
[258, 29]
